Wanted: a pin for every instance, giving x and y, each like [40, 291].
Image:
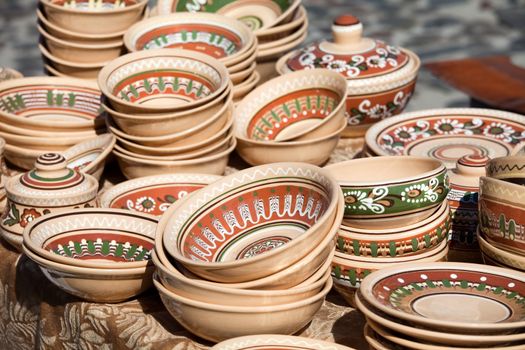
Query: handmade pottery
[239, 77]
[276, 43]
[314, 152]
[283, 30]
[189, 79]
[219, 322]
[154, 194]
[49, 188]
[308, 194]
[509, 168]
[57, 143]
[459, 297]
[90, 156]
[275, 341]
[94, 17]
[501, 257]
[447, 134]
[242, 89]
[85, 71]
[390, 192]
[21, 157]
[380, 77]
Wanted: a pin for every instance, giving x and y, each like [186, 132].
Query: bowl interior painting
[51, 102]
[94, 5]
[83, 160]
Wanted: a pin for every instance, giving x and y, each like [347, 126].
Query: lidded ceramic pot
[381, 78]
[463, 200]
[49, 188]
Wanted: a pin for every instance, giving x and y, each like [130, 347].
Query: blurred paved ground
[435, 29]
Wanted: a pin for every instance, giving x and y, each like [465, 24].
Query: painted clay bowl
[257, 15]
[50, 104]
[93, 238]
[22, 131]
[94, 17]
[501, 257]
[300, 106]
[21, 157]
[389, 192]
[508, 168]
[152, 125]
[100, 285]
[66, 68]
[283, 30]
[219, 322]
[299, 32]
[242, 89]
[220, 37]
[309, 205]
[315, 151]
[275, 341]
[239, 77]
[52, 72]
[447, 134]
[57, 143]
[90, 156]
[187, 79]
[463, 298]
[271, 55]
[404, 241]
[214, 164]
[154, 194]
[501, 214]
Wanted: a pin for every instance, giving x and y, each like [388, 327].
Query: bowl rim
[48, 36]
[302, 15]
[105, 141]
[64, 10]
[240, 343]
[486, 245]
[289, 38]
[29, 140]
[48, 55]
[270, 53]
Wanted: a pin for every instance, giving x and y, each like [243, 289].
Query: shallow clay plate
[276, 341]
[447, 134]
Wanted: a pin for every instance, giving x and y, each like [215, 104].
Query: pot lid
[350, 54]
[51, 182]
[468, 170]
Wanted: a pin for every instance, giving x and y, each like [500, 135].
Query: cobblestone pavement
[435, 29]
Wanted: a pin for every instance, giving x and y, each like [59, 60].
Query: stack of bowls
[79, 37]
[223, 38]
[444, 306]
[501, 233]
[101, 255]
[171, 112]
[250, 253]
[46, 114]
[297, 117]
[396, 212]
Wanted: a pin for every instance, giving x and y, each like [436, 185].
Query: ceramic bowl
[21, 157]
[189, 79]
[51, 104]
[389, 192]
[154, 194]
[219, 322]
[508, 168]
[315, 151]
[23, 131]
[153, 125]
[94, 17]
[231, 251]
[239, 77]
[296, 34]
[489, 301]
[214, 164]
[280, 31]
[58, 143]
[404, 241]
[242, 89]
[275, 341]
[52, 72]
[501, 257]
[87, 71]
[300, 106]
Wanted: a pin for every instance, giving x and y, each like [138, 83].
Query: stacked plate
[276, 341]
[47, 114]
[396, 212]
[222, 38]
[444, 306]
[297, 117]
[171, 112]
[251, 252]
[79, 37]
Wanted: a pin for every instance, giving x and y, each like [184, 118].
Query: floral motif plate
[448, 134]
[453, 296]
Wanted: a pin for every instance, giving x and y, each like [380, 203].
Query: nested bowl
[94, 17]
[218, 322]
[57, 143]
[390, 192]
[283, 30]
[299, 106]
[70, 69]
[509, 168]
[154, 194]
[253, 223]
[495, 255]
[162, 81]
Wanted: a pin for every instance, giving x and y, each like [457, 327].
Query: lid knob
[51, 163]
[472, 165]
[347, 29]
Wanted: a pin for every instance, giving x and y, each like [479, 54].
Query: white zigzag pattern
[166, 62]
[43, 232]
[503, 191]
[96, 143]
[49, 200]
[200, 198]
[303, 343]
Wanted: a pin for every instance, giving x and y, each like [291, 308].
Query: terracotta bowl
[219, 322]
[510, 168]
[389, 192]
[189, 79]
[22, 157]
[23, 131]
[314, 152]
[88, 71]
[152, 125]
[58, 143]
[273, 54]
[214, 164]
[501, 257]
[299, 106]
[239, 77]
[244, 88]
[154, 194]
[283, 30]
[294, 35]
[274, 341]
[88, 18]
[245, 63]
[100, 285]
[404, 241]
[51, 104]
[245, 254]
[220, 37]
[52, 72]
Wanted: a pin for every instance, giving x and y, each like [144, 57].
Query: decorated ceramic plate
[276, 341]
[447, 134]
[453, 296]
